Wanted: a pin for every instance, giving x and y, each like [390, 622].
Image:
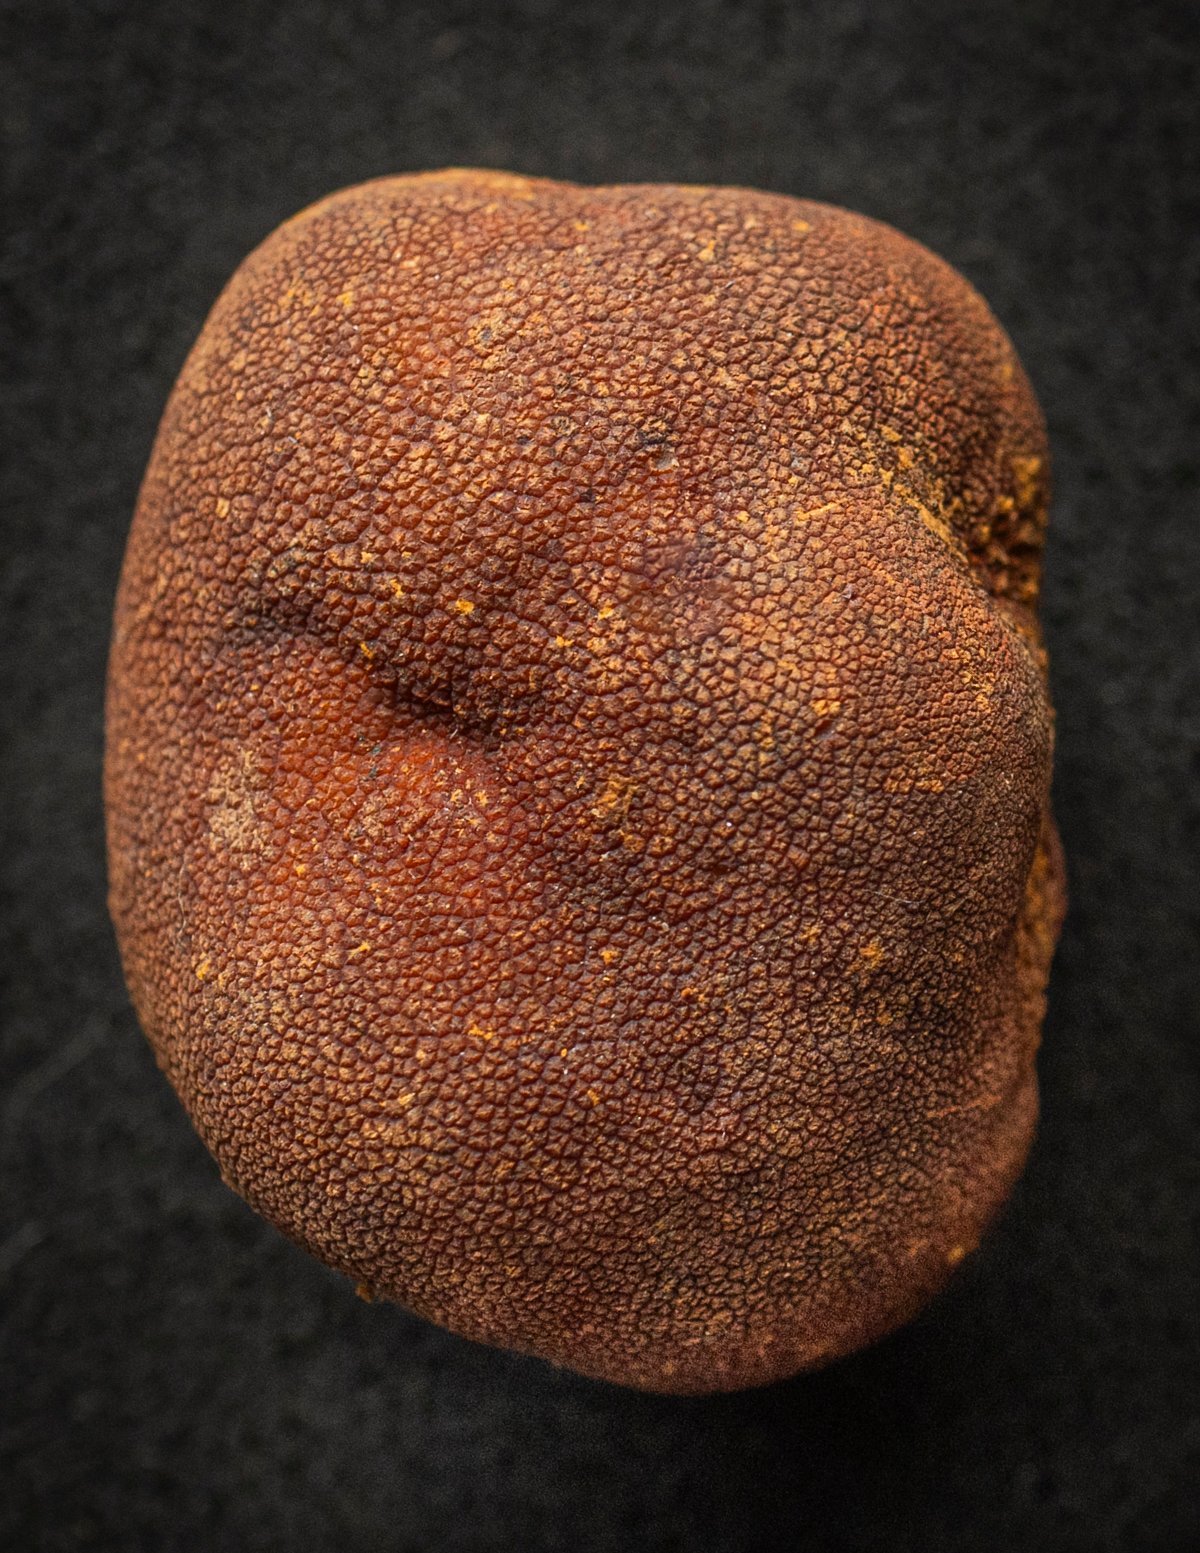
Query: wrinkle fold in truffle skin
[578, 764]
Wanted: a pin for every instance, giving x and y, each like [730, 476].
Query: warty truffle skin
[578, 764]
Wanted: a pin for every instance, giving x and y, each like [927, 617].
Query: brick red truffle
[578, 764]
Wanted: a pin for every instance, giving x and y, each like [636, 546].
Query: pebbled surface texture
[578, 756]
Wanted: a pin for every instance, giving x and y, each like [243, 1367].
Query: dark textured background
[175, 1376]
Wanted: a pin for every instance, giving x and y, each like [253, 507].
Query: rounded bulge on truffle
[578, 764]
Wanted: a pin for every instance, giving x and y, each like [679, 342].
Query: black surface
[174, 1375]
